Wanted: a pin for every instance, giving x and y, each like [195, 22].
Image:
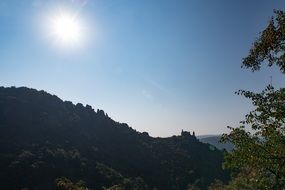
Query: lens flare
[66, 28]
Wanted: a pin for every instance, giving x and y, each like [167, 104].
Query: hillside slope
[215, 141]
[43, 138]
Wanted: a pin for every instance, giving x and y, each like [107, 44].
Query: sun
[66, 28]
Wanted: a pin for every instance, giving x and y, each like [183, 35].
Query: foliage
[270, 46]
[259, 154]
[217, 185]
[64, 183]
[193, 186]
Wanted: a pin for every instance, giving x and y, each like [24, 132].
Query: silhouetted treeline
[44, 140]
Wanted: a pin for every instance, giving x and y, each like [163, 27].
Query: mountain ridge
[215, 140]
[45, 138]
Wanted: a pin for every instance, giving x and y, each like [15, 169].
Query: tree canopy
[270, 46]
[258, 158]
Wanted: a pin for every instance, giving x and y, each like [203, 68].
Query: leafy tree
[115, 187]
[217, 185]
[270, 46]
[192, 187]
[64, 183]
[259, 154]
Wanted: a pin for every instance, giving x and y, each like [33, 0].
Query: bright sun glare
[66, 28]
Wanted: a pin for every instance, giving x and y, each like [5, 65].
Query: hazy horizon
[160, 66]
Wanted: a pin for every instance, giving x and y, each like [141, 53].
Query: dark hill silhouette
[215, 140]
[43, 138]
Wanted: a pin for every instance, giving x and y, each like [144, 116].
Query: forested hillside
[46, 143]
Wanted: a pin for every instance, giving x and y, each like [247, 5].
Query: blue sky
[158, 65]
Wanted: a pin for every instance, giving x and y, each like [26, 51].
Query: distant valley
[215, 141]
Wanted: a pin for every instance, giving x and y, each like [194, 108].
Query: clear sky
[158, 65]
